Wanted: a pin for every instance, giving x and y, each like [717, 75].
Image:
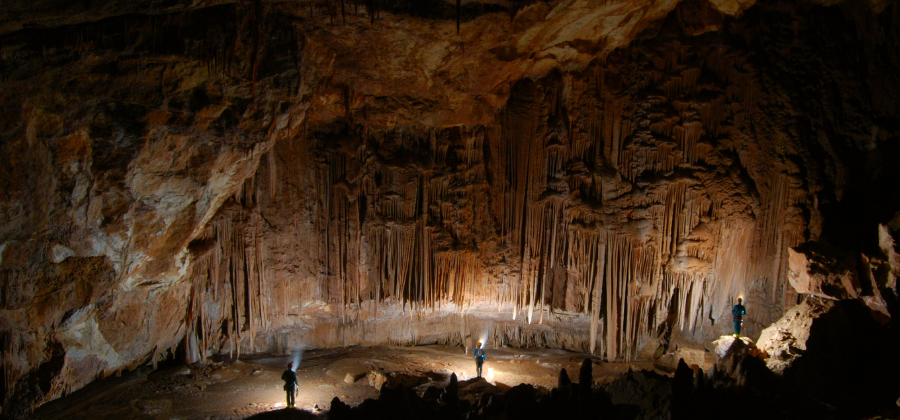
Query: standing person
[738, 311]
[290, 383]
[479, 357]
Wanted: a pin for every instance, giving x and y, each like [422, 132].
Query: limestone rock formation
[785, 340]
[891, 267]
[730, 351]
[823, 272]
[695, 358]
[834, 351]
[181, 179]
[379, 379]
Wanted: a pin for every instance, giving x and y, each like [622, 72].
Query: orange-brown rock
[823, 272]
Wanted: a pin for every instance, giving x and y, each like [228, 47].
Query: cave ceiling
[197, 177]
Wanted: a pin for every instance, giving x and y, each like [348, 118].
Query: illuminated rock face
[257, 177]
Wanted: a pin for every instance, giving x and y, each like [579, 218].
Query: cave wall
[630, 195]
[257, 177]
[119, 141]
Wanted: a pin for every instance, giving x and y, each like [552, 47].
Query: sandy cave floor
[251, 386]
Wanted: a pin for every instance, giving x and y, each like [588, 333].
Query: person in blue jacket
[479, 357]
[738, 311]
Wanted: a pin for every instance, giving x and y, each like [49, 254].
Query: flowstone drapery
[627, 197]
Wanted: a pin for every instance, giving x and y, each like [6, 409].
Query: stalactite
[687, 137]
[577, 203]
[672, 227]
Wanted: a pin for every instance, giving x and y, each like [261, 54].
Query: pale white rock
[730, 350]
[725, 342]
[61, 253]
[87, 352]
[785, 340]
[377, 379]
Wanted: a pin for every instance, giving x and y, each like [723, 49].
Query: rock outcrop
[885, 270]
[834, 351]
[785, 340]
[823, 272]
[833, 345]
[695, 358]
[477, 398]
[730, 352]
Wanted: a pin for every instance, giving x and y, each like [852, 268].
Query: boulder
[493, 405]
[380, 379]
[871, 273]
[643, 394]
[351, 378]
[521, 402]
[695, 359]
[834, 351]
[339, 409]
[432, 393]
[785, 340]
[474, 389]
[752, 372]
[730, 350]
[377, 379]
[820, 270]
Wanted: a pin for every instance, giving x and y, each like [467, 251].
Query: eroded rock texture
[260, 176]
[833, 351]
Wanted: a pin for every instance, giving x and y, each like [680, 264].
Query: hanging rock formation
[823, 273]
[185, 179]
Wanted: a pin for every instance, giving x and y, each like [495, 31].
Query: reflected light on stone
[276, 399]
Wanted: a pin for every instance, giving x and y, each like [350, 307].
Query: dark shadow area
[284, 414]
[844, 111]
[847, 359]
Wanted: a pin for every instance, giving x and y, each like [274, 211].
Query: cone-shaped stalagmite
[564, 381]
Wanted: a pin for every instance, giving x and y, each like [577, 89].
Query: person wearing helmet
[479, 357]
[290, 383]
[738, 311]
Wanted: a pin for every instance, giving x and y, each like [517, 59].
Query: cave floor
[251, 386]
